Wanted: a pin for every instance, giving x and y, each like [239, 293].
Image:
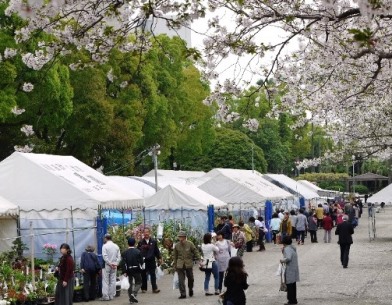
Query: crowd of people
[220, 256]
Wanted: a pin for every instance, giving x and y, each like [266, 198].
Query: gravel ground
[367, 280]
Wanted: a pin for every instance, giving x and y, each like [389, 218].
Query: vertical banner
[210, 212]
[302, 203]
[102, 228]
[267, 219]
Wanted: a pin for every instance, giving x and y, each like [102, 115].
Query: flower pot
[78, 295]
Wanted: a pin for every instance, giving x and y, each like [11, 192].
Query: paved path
[367, 280]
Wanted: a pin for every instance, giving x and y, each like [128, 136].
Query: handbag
[206, 265]
[283, 286]
[98, 266]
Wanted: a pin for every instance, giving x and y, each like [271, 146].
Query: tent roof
[175, 174]
[48, 182]
[310, 185]
[238, 186]
[188, 197]
[368, 177]
[292, 186]
[165, 181]
[7, 208]
[137, 186]
[385, 195]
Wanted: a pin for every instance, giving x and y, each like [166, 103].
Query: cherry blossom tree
[334, 56]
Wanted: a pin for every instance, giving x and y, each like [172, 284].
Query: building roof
[368, 177]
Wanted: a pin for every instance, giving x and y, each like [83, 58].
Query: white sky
[232, 67]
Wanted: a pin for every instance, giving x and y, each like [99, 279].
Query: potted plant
[31, 298]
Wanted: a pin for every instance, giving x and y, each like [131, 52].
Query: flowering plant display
[49, 249]
[171, 227]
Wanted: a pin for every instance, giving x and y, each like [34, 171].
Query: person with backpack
[88, 267]
[131, 263]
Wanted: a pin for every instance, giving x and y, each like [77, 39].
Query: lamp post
[353, 158]
[154, 153]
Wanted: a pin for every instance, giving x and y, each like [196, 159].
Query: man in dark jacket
[131, 262]
[345, 231]
[150, 252]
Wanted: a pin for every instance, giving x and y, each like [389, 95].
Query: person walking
[345, 231]
[65, 279]
[293, 220]
[301, 225]
[112, 257]
[249, 234]
[235, 282]
[88, 263]
[319, 214]
[131, 263]
[209, 263]
[312, 227]
[327, 226]
[222, 257]
[260, 225]
[183, 255]
[150, 252]
[275, 226]
[285, 226]
[238, 240]
[290, 258]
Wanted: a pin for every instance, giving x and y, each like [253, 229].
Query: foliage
[318, 177]
[231, 149]
[171, 228]
[333, 185]
[361, 189]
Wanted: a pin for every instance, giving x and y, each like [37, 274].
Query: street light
[353, 158]
[154, 153]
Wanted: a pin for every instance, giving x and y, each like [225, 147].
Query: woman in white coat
[209, 251]
[222, 257]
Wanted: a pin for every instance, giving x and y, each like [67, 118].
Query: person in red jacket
[327, 226]
[65, 279]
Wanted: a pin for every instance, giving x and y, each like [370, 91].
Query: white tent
[309, 185]
[385, 195]
[187, 197]
[237, 186]
[183, 203]
[8, 209]
[322, 193]
[169, 177]
[39, 182]
[8, 223]
[292, 186]
[175, 174]
[135, 184]
[59, 196]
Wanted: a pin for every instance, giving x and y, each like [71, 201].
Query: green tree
[231, 149]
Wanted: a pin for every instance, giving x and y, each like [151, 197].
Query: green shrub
[361, 189]
[332, 185]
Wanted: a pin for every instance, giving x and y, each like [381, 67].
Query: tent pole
[32, 255]
[144, 217]
[66, 231]
[73, 235]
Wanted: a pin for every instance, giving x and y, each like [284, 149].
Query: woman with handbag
[222, 257]
[290, 259]
[65, 278]
[209, 264]
[236, 283]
